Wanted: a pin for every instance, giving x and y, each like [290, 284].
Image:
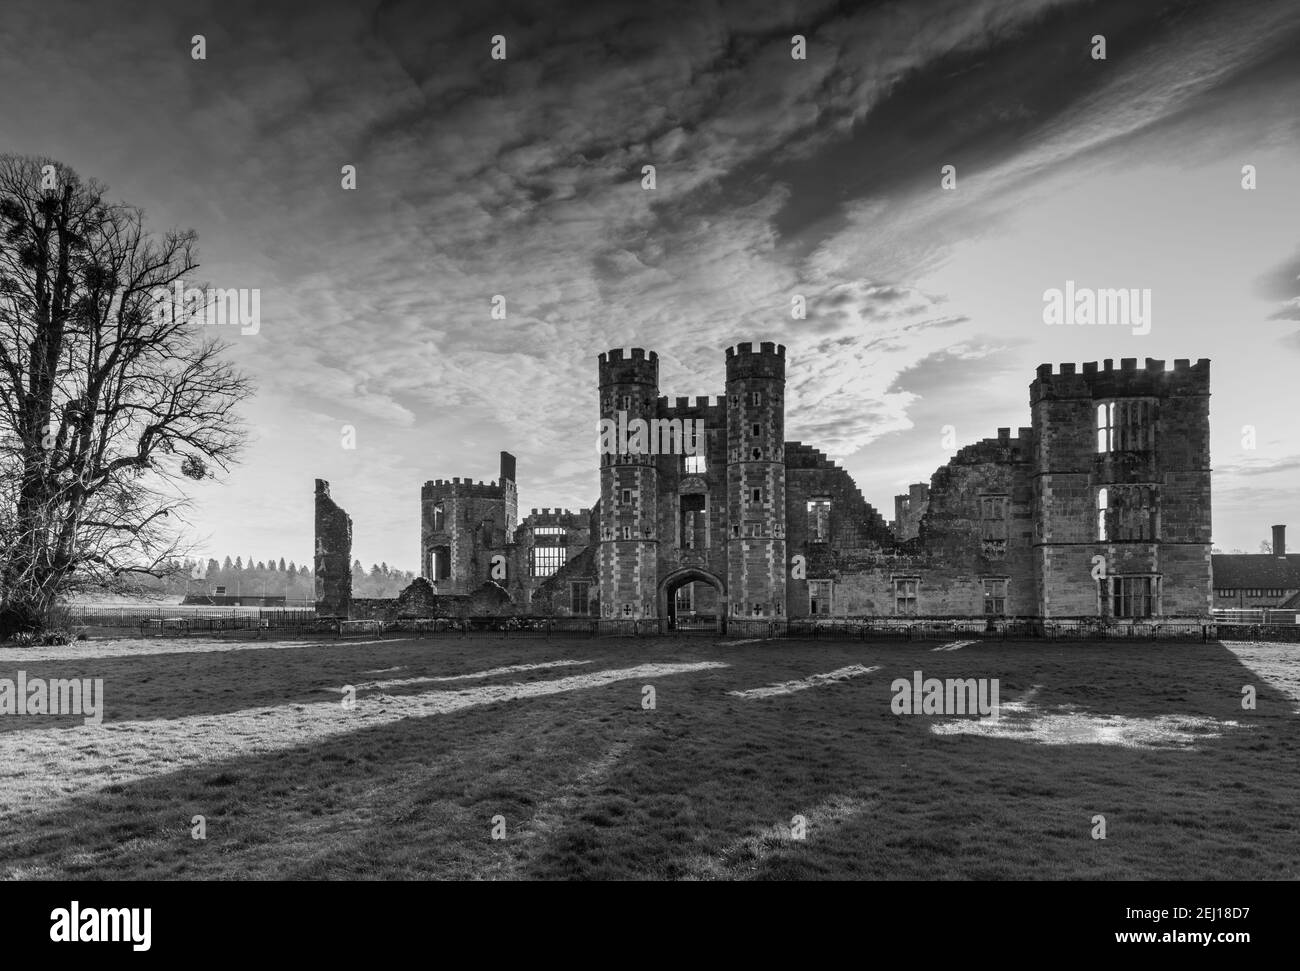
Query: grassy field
[551, 739]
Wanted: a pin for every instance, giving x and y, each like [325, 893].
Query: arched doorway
[707, 616]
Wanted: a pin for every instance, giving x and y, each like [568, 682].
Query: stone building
[1099, 508]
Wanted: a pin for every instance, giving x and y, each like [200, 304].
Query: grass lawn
[550, 738]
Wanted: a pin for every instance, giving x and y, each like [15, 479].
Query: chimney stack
[1279, 541]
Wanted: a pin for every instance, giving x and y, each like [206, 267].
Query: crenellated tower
[629, 487]
[1122, 489]
[756, 560]
[463, 523]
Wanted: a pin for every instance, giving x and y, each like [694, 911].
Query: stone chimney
[1279, 541]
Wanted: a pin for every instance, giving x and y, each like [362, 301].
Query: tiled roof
[1248, 571]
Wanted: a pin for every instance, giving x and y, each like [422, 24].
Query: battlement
[766, 347]
[714, 411]
[463, 488]
[557, 517]
[1092, 380]
[637, 367]
[745, 362]
[615, 356]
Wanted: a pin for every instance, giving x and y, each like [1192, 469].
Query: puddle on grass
[1025, 722]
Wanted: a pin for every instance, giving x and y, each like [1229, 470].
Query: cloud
[522, 178]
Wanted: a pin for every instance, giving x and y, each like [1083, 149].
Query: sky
[774, 177]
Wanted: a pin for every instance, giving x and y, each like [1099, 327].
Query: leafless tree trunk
[108, 401]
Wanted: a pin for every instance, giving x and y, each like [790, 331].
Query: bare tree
[107, 402]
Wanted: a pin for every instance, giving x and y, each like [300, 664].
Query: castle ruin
[1099, 508]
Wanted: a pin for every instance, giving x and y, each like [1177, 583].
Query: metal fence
[1065, 629]
[210, 620]
[175, 617]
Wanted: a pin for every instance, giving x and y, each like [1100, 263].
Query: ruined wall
[577, 537]
[852, 524]
[333, 555]
[979, 524]
[477, 523]
[909, 509]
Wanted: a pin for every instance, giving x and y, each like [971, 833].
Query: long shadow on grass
[703, 771]
[162, 686]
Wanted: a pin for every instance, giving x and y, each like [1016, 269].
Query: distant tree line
[271, 578]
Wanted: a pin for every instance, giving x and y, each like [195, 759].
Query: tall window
[439, 523]
[694, 525]
[440, 563]
[1132, 596]
[1105, 426]
[819, 520]
[1126, 426]
[549, 550]
[995, 597]
[1103, 503]
[819, 596]
[579, 598]
[993, 525]
[685, 598]
[905, 590]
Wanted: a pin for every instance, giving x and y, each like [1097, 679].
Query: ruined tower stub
[333, 555]
[463, 524]
[756, 546]
[629, 490]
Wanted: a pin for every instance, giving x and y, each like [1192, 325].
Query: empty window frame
[819, 520]
[820, 594]
[1127, 513]
[440, 563]
[1126, 425]
[995, 597]
[905, 595]
[694, 525]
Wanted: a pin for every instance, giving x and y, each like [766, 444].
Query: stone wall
[333, 555]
